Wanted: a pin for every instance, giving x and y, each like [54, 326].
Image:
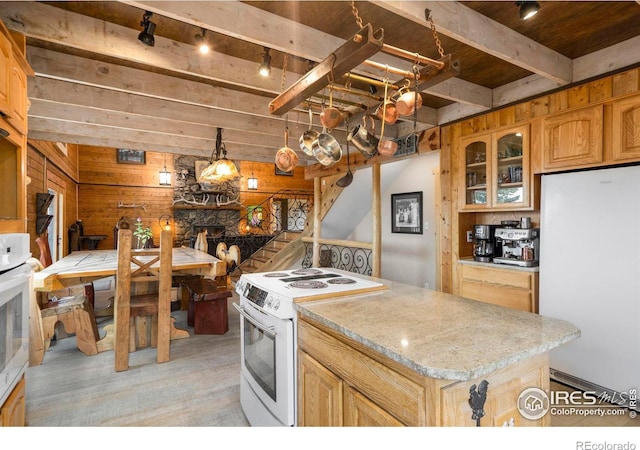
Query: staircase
[265, 254]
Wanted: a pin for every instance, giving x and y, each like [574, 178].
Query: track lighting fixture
[265, 66]
[146, 35]
[202, 43]
[528, 9]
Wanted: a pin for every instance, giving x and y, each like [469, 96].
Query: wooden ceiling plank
[147, 123]
[90, 96]
[238, 20]
[85, 33]
[461, 23]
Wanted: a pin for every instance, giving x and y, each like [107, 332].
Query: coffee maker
[484, 244]
[518, 246]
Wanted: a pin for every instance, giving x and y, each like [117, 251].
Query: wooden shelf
[228, 208]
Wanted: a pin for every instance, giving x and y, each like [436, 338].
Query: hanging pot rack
[354, 52]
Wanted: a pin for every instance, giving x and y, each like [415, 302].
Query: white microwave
[16, 289]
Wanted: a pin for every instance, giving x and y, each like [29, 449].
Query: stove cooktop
[275, 292]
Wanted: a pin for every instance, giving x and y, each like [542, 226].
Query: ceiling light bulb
[201, 41]
[265, 66]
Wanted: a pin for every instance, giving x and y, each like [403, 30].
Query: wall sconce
[165, 222]
[165, 177]
[202, 43]
[265, 65]
[146, 35]
[528, 9]
[252, 183]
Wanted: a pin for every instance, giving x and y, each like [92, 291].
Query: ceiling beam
[238, 20]
[463, 24]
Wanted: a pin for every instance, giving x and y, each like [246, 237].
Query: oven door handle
[267, 330]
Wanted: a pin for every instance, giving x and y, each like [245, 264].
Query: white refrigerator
[590, 275]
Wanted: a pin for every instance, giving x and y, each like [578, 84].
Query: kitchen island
[415, 357]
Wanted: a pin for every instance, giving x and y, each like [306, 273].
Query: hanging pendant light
[219, 169]
[165, 177]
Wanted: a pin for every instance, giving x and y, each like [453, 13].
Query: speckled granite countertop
[473, 262]
[440, 335]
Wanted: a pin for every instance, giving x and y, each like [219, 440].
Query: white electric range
[268, 335]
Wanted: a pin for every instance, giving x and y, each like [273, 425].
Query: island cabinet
[342, 383]
[495, 168]
[12, 412]
[512, 287]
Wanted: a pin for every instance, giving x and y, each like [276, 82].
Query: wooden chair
[73, 307]
[135, 275]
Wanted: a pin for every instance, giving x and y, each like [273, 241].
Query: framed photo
[406, 213]
[282, 172]
[126, 156]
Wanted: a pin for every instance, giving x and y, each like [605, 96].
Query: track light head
[146, 35]
[528, 9]
[265, 65]
[202, 42]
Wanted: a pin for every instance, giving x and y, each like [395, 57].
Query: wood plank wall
[48, 168]
[94, 184]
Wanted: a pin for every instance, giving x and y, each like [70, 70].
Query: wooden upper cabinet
[17, 115]
[573, 139]
[5, 73]
[626, 129]
[495, 167]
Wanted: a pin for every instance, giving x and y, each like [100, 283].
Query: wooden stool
[207, 312]
[76, 315]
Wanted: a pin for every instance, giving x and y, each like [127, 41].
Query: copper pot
[330, 117]
[408, 102]
[388, 112]
[387, 147]
[286, 158]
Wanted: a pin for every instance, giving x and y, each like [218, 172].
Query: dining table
[85, 266]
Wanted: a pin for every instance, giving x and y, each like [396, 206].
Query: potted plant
[142, 233]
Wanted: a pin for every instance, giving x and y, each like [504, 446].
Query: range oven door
[16, 289]
[267, 389]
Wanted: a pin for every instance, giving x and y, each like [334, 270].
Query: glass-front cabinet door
[495, 167]
[510, 184]
[477, 156]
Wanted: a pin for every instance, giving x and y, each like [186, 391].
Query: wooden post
[317, 220]
[377, 224]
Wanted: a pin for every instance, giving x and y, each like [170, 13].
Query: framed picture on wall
[126, 156]
[406, 213]
[282, 172]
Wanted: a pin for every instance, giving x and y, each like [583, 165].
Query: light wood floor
[198, 387]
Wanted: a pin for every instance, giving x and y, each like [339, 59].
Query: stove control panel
[257, 296]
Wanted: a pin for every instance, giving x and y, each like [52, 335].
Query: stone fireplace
[195, 207]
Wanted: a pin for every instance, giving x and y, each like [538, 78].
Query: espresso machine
[484, 244]
[518, 246]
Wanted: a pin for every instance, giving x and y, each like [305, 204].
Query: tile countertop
[439, 335]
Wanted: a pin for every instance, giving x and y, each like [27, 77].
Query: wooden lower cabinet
[13, 411]
[343, 383]
[321, 404]
[511, 288]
